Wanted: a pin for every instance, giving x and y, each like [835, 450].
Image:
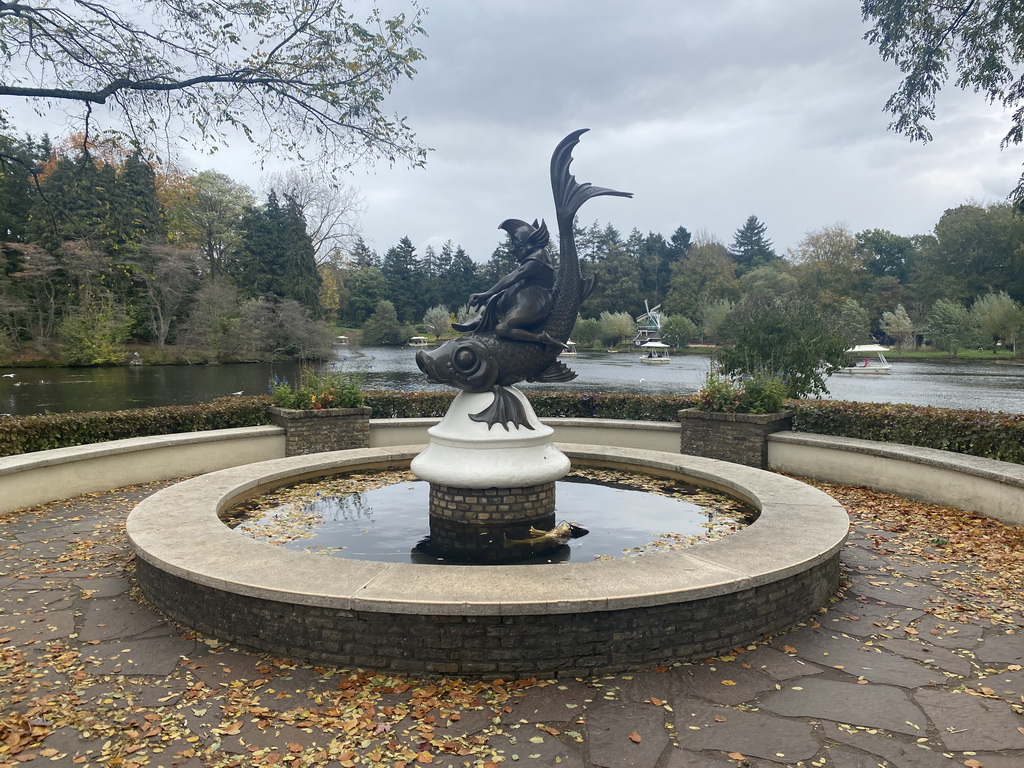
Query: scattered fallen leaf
[635, 737]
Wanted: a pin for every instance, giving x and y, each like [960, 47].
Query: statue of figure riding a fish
[524, 320]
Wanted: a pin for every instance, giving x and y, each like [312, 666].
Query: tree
[208, 214]
[678, 330]
[950, 326]
[330, 209]
[384, 327]
[457, 274]
[587, 331]
[438, 320]
[276, 256]
[214, 327]
[886, 254]
[94, 332]
[712, 317]
[976, 249]
[750, 247]
[616, 327]
[19, 162]
[983, 38]
[899, 326]
[284, 75]
[999, 317]
[829, 265]
[167, 278]
[367, 287]
[856, 320]
[773, 279]
[800, 343]
[705, 275]
[400, 268]
[273, 329]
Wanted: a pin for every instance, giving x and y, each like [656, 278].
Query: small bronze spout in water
[558, 535]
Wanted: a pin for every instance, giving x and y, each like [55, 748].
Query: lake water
[949, 384]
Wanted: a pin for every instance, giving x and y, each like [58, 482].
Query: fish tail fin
[570, 195]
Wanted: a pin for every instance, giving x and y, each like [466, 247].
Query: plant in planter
[324, 412]
[317, 391]
[733, 418]
[757, 393]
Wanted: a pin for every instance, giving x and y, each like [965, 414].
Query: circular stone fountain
[568, 618]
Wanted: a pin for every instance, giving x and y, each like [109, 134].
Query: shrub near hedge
[990, 434]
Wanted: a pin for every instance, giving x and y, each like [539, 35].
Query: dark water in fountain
[386, 524]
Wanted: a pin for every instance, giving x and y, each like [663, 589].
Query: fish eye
[464, 359]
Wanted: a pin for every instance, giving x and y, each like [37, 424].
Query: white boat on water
[570, 349]
[870, 360]
[418, 341]
[654, 352]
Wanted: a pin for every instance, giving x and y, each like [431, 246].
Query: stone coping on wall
[21, 462]
[178, 530]
[962, 463]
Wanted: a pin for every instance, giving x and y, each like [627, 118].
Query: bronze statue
[521, 300]
[524, 319]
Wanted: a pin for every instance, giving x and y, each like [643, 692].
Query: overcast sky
[707, 110]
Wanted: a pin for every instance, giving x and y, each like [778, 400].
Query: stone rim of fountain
[177, 533]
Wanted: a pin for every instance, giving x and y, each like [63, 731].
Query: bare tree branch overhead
[294, 77]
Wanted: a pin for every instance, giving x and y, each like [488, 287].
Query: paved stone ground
[91, 677]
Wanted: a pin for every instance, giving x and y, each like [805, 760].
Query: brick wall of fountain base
[544, 645]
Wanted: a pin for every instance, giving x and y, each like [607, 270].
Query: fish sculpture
[520, 331]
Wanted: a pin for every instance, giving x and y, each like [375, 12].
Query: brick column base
[490, 524]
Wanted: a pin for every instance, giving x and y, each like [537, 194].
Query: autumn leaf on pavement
[635, 737]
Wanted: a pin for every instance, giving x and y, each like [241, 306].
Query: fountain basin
[567, 618]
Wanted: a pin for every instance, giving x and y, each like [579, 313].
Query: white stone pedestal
[463, 453]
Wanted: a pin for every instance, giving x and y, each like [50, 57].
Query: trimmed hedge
[589, 405]
[388, 404]
[990, 434]
[25, 434]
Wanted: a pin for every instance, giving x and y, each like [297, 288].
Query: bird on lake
[238, 392]
[8, 376]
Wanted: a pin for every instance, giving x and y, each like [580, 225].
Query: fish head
[466, 363]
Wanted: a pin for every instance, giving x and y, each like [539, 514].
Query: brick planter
[328, 429]
[741, 438]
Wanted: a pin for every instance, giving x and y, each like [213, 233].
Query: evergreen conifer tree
[750, 248]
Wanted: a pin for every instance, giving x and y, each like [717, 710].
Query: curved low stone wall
[989, 487]
[567, 618]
